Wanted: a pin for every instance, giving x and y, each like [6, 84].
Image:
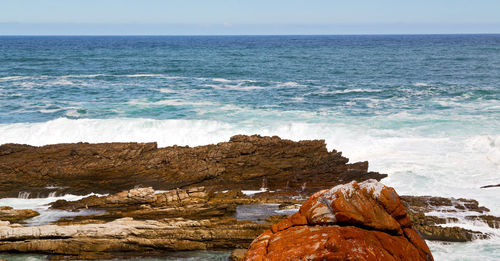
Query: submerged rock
[364, 220]
[245, 162]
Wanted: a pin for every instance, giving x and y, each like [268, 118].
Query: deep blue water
[423, 108]
[99, 77]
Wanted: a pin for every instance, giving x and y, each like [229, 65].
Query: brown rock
[429, 227]
[245, 162]
[16, 215]
[143, 203]
[365, 221]
[237, 254]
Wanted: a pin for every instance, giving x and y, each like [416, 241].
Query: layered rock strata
[126, 235]
[356, 221]
[137, 221]
[245, 162]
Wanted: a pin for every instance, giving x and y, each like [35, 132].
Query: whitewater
[423, 109]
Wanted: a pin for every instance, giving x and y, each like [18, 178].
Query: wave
[346, 91]
[171, 102]
[477, 250]
[39, 203]
[239, 87]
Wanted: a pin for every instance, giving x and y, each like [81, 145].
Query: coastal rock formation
[365, 220]
[144, 203]
[126, 235]
[16, 215]
[139, 221]
[428, 213]
[245, 162]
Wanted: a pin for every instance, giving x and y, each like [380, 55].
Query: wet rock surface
[429, 214]
[245, 162]
[364, 220]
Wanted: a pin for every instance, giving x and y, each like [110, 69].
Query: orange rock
[355, 221]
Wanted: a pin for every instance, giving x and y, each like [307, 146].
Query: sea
[425, 109]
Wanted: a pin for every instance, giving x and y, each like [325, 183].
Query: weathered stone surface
[90, 241]
[245, 162]
[16, 215]
[364, 221]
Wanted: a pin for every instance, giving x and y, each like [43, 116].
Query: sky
[213, 17]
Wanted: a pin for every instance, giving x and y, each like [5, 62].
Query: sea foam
[418, 163]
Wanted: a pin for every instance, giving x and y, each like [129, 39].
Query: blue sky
[248, 17]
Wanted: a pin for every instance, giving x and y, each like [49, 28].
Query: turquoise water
[423, 108]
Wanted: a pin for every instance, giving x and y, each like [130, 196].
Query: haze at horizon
[196, 17]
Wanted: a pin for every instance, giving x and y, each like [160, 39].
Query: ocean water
[424, 109]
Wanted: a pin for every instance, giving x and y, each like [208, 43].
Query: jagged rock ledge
[245, 162]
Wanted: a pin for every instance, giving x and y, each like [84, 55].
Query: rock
[421, 207]
[365, 221]
[144, 203]
[237, 254]
[245, 162]
[491, 186]
[84, 241]
[16, 215]
[492, 221]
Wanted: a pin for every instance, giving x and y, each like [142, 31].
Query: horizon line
[326, 34]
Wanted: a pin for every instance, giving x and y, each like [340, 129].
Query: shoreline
[278, 171]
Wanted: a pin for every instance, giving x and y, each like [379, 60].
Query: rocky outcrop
[364, 220]
[245, 162]
[144, 203]
[126, 235]
[16, 215]
[429, 213]
[139, 221]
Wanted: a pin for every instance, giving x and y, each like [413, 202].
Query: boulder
[355, 221]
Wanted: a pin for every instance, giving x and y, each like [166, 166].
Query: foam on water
[259, 212]
[478, 250]
[41, 205]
